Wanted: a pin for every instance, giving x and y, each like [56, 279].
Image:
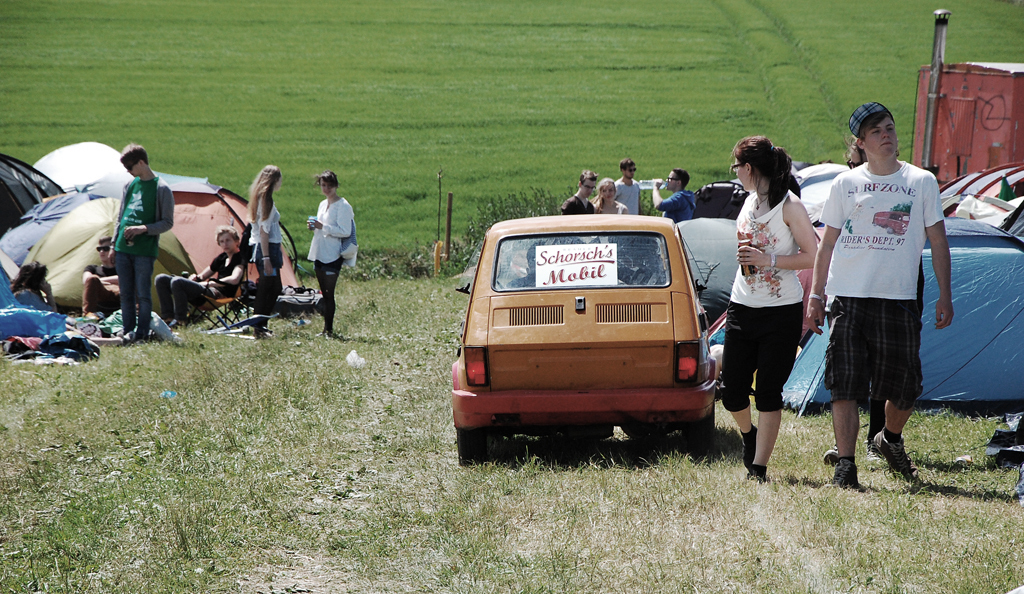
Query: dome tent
[70, 246]
[972, 367]
[21, 188]
[17, 242]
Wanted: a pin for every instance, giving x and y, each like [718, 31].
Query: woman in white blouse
[265, 240]
[334, 242]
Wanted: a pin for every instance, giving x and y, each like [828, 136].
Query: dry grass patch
[278, 466]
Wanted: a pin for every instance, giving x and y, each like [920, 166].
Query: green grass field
[503, 96]
[279, 468]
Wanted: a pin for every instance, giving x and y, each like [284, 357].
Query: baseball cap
[863, 112]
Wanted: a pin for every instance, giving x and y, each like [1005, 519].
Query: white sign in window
[589, 265]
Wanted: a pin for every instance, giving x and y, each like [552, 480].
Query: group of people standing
[622, 196]
[147, 209]
[867, 279]
[867, 282]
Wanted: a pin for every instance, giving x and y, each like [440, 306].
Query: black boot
[749, 446]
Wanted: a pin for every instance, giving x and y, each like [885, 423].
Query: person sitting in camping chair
[220, 279]
[101, 292]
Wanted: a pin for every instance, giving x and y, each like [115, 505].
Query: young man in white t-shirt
[877, 219]
[627, 191]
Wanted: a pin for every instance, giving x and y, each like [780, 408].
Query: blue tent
[17, 320]
[34, 224]
[976, 365]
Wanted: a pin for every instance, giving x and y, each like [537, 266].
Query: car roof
[580, 223]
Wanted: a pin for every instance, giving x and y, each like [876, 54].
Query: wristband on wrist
[818, 297]
[773, 260]
[266, 257]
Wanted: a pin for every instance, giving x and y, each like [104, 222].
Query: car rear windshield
[566, 261]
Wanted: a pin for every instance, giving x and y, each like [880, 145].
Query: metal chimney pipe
[931, 114]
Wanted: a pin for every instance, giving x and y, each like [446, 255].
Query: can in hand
[746, 269]
[310, 221]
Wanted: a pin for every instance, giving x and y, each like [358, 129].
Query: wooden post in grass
[448, 230]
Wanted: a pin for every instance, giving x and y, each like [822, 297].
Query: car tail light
[476, 366]
[690, 361]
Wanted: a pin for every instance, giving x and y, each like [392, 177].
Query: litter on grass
[1008, 448]
[354, 360]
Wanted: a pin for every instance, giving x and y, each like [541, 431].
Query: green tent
[70, 246]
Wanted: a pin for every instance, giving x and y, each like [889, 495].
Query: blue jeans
[134, 277]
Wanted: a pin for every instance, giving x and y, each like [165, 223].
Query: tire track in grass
[806, 59]
[798, 102]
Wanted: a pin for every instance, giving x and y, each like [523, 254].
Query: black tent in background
[21, 188]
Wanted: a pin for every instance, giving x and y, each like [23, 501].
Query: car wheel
[472, 446]
[700, 436]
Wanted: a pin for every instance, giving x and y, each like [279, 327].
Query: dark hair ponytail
[771, 162]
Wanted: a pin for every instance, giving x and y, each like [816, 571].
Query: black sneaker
[896, 455]
[846, 475]
[749, 447]
[754, 475]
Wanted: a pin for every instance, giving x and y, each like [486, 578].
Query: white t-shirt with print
[882, 220]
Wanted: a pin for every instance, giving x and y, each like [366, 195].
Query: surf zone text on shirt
[882, 188]
[588, 265]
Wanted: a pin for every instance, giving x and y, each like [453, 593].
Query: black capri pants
[762, 339]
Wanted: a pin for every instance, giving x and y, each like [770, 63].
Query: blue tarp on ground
[16, 320]
[34, 224]
[975, 366]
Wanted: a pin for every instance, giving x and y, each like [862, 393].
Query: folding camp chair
[220, 311]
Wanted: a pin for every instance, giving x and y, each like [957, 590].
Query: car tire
[700, 436]
[472, 446]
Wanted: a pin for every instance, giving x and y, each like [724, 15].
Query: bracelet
[266, 257]
[814, 296]
[773, 260]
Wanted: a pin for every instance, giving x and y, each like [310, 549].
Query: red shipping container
[979, 117]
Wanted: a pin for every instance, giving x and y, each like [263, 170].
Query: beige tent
[70, 246]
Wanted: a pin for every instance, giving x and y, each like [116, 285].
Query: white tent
[80, 164]
[815, 183]
[94, 168]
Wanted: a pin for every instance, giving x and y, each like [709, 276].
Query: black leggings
[327, 277]
[762, 339]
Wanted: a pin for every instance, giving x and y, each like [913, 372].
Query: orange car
[578, 324]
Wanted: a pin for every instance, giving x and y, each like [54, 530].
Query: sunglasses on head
[103, 248]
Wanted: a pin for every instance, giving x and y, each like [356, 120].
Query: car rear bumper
[537, 408]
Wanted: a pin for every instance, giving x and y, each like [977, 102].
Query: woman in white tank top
[765, 315]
